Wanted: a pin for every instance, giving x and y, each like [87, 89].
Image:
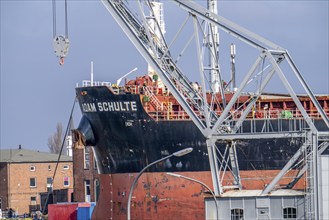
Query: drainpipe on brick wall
[8, 186]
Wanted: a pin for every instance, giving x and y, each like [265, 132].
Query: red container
[65, 211]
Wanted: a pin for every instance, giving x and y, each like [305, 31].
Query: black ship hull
[126, 138]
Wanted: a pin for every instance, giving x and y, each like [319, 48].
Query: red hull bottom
[160, 196]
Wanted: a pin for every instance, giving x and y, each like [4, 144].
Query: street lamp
[203, 184]
[176, 154]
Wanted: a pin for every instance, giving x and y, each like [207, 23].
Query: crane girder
[213, 125]
[155, 53]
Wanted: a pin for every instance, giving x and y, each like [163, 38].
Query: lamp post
[176, 154]
[203, 184]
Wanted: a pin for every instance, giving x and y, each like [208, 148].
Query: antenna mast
[233, 81]
[213, 39]
[91, 73]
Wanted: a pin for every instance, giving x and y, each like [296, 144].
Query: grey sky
[36, 92]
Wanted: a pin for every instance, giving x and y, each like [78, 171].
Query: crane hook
[61, 61]
[61, 47]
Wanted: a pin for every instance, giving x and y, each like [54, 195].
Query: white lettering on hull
[88, 107]
[110, 106]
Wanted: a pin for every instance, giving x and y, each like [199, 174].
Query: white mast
[92, 73]
[213, 38]
[157, 25]
[233, 81]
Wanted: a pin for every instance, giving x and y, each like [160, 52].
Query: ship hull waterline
[159, 195]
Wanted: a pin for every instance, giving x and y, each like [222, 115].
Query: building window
[32, 168]
[66, 181]
[97, 189]
[236, 214]
[290, 213]
[66, 167]
[86, 158]
[33, 200]
[33, 182]
[87, 190]
[49, 184]
[95, 164]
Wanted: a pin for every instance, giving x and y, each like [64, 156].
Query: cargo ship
[128, 131]
[133, 125]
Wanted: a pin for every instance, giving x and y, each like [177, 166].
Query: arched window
[290, 213]
[236, 214]
[86, 158]
[97, 189]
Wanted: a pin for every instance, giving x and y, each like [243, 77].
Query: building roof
[257, 193]
[25, 155]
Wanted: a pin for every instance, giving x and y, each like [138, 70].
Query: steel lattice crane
[144, 29]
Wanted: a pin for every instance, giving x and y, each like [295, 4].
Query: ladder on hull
[154, 100]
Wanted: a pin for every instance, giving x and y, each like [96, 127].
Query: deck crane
[200, 105]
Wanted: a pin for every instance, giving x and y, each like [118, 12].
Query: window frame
[87, 185]
[33, 200]
[68, 181]
[237, 214]
[86, 158]
[50, 185]
[97, 189]
[32, 168]
[289, 212]
[35, 182]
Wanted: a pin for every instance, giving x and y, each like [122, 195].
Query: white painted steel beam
[203, 82]
[264, 135]
[188, 97]
[251, 104]
[143, 50]
[307, 89]
[315, 173]
[235, 96]
[217, 184]
[235, 164]
[228, 26]
[283, 171]
[291, 92]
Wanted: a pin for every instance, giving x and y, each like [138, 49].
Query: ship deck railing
[87, 83]
[253, 123]
[265, 110]
[234, 115]
[162, 114]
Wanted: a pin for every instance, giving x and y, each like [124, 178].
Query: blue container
[85, 210]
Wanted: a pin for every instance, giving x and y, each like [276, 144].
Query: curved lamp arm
[176, 154]
[203, 184]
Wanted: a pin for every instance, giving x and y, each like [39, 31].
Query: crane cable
[61, 42]
[54, 18]
[59, 155]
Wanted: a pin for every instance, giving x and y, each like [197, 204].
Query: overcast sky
[37, 93]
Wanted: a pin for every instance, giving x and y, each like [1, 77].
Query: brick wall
[81, 174]
[20, 191]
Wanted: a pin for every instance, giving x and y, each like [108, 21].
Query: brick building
[86, 177]
[25, 175]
